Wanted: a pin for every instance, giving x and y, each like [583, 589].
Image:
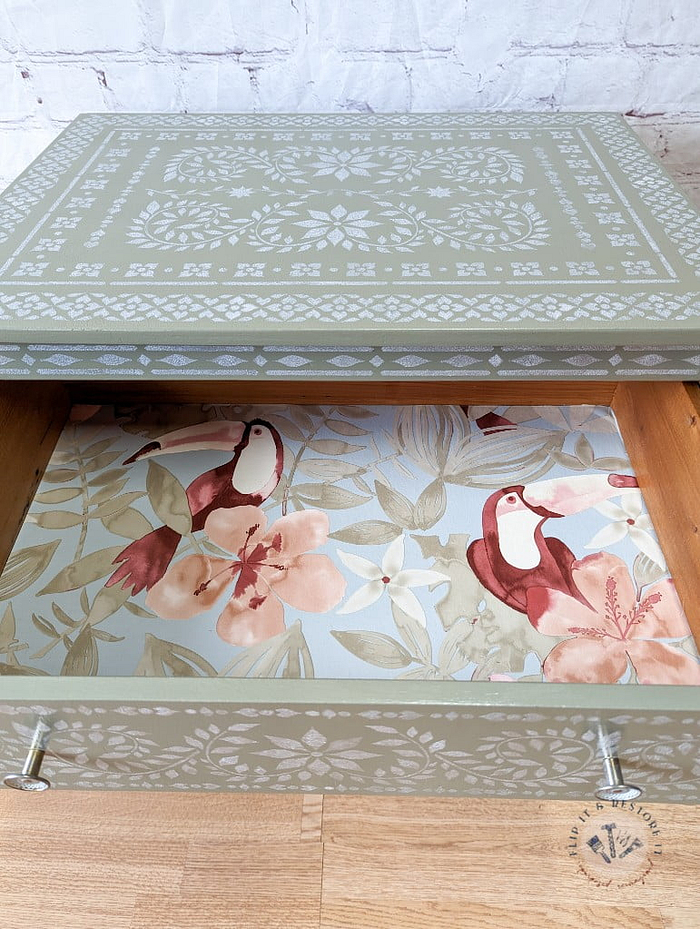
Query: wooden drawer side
[32, 415]
[457, 391]
[660, 425]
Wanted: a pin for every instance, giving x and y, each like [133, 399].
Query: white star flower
[343, 163]
[628, 520]
[336, 226]
[391, 577]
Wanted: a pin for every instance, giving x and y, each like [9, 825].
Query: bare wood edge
[32, 416]
[660, 425]
[523, 393]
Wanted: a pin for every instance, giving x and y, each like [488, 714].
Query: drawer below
[499, 738]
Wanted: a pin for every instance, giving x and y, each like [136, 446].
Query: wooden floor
[165, 861]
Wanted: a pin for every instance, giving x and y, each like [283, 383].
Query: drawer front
[376, 746]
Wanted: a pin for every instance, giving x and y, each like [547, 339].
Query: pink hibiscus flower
[270, 567]
[616, 627]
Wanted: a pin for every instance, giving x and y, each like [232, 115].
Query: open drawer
[438, 674]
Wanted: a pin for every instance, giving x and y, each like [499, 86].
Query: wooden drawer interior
[658, 422]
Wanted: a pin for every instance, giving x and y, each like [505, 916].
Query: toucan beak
[223, 435]
[567, 495]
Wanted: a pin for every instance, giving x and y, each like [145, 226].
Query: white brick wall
[62, 57]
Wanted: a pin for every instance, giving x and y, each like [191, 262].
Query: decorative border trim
[433, 749]
[379, 311]
[199, 362]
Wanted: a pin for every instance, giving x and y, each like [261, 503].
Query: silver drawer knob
[614, 787]
[29, 778]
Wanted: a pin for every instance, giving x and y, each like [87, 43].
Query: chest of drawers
[493, 261]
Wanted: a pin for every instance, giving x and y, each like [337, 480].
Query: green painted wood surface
[431, 229]
[354, 737]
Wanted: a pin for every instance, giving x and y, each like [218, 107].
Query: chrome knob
[29, 777]
[614, 787]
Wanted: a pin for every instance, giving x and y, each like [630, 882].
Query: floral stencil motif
[337, 226]
[491, 222]
[269, 568]
[186, 223]
[613, 625]
[343, 163]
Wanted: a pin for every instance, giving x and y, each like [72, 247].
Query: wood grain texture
[312, 817]
[32, 415]
[430, 859]
[660, 425]
[363, 392]
[463, 914]
[77, 860]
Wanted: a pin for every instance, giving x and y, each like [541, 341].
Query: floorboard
[168, 861]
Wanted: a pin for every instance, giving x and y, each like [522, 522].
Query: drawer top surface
[497, 228]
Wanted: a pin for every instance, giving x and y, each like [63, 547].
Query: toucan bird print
[247, 479]
[515, 555]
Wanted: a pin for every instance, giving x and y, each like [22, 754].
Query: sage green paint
[355, 229]
[511, 740]
[365, 363]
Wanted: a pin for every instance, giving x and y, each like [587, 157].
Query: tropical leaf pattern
[352, 564]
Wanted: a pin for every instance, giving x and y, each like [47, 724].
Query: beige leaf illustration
[128, 523]
[368, 532]
[102, 461]
[584, 451]
[20, 669]
[138, 610]
[646, 571]
[161, 658]
[327, 496]
[431, 505]
[7, 628]
[414, 633]
[106, 602]
[286, 428]
[455, 651]
[398, 508]
[108, 476]
[464, 591]
[301, 418]
[374, 648]
[82, 659]
[168, 498]
[333, 447]
[115, 504]
[358, 412]
[60, 495]
[55, 519]
[340, 427]
[286, 651]
[24, 567]
[59, 476]
[328, 469]
[93, 450]
[107, 492]
[83, 571]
